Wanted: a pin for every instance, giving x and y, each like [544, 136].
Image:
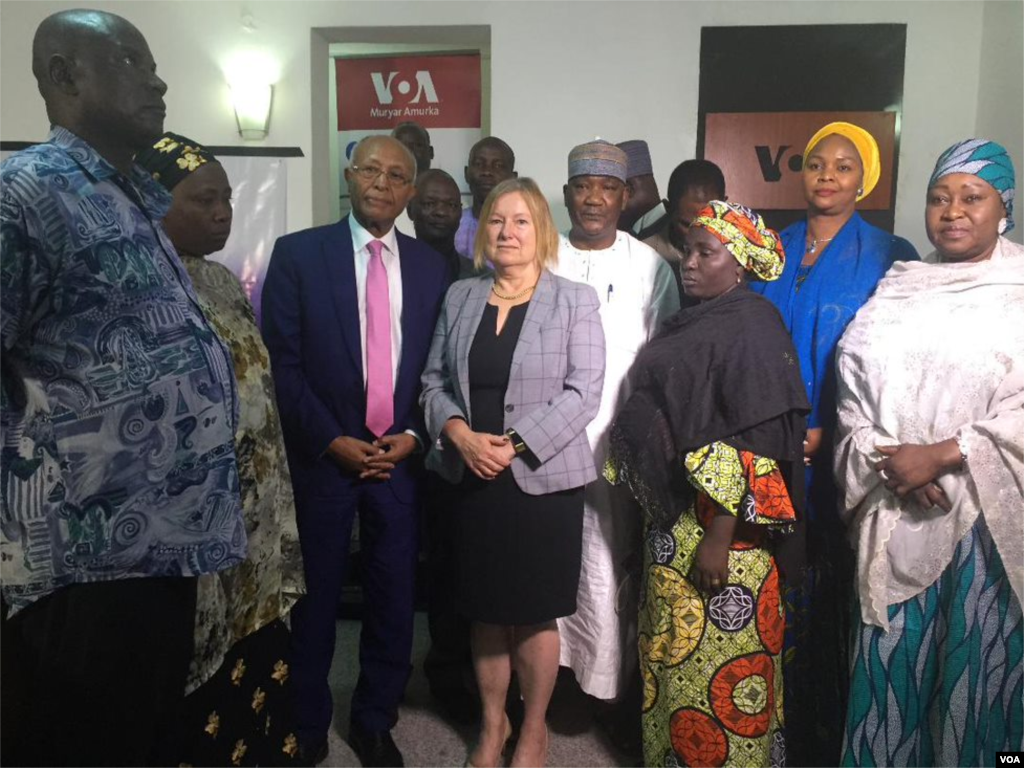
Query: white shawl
[938, 352]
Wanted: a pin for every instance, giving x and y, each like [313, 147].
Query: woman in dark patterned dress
[709, 442]
[236, 711]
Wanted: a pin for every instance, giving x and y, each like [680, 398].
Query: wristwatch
[517, 441]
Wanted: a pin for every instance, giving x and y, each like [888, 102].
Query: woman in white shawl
[931, 457]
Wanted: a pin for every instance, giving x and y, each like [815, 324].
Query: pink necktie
[380, 401]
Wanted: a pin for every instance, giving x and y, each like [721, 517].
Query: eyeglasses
[372, 173]
[445, 206]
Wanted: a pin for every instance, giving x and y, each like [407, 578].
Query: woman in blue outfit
[835, 260]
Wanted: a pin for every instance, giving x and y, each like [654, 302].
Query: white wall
[562, 72]
[1001, 99]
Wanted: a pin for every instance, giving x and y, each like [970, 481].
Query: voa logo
[424, 87]
[1008, 758]
[771, 162]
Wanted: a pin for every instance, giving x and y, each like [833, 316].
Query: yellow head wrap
[866, 147]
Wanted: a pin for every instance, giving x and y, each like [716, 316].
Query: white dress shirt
[393, 267]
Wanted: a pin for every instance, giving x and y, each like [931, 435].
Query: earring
[860, 192]
[1003, 224]
[739, 280]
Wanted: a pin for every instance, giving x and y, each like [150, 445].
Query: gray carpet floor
[427, 739]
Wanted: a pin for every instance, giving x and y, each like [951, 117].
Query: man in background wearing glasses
[349, 310]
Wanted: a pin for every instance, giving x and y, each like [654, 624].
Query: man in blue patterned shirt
[119, 482]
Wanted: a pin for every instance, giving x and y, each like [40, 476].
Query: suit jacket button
[509, 408]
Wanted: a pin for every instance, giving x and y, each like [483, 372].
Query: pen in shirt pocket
[611, 290]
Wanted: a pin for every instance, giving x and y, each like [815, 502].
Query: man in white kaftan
[637, 291]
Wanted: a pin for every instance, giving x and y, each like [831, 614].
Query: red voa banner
[378, 92]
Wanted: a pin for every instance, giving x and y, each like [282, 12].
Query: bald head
[416, 138]
[67, 35]
[372, 144]
[98, 78]
[412, 126]
[496, 144]
[491, 161]
[380, 182]
[436, 177]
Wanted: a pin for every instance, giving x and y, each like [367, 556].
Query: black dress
[241, 716]
[518, 554]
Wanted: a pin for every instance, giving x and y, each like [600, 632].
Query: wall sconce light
[252, 108]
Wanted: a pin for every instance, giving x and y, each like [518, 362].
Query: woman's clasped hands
[486, 455]
[911, 470]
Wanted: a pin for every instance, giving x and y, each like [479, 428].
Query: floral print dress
[711, 665]
[236, 713]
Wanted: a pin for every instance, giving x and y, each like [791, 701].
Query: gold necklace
[494, 290]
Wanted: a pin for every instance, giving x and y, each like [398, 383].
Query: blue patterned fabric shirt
[118, 399]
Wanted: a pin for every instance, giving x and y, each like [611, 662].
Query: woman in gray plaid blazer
[513, 378]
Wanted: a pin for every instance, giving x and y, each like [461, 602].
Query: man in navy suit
[348, 315]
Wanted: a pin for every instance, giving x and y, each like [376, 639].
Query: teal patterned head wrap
[985, 159]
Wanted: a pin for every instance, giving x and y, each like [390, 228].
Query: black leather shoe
[312, 754]
[374, 750]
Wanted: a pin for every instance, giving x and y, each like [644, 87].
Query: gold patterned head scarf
[743, 232]
[173, 158]
[865, 145]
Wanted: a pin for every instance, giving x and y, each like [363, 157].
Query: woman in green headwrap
[236, 713]
[710, 443]
[931, 419]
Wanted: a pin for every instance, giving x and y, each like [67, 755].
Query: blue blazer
[311, 329]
